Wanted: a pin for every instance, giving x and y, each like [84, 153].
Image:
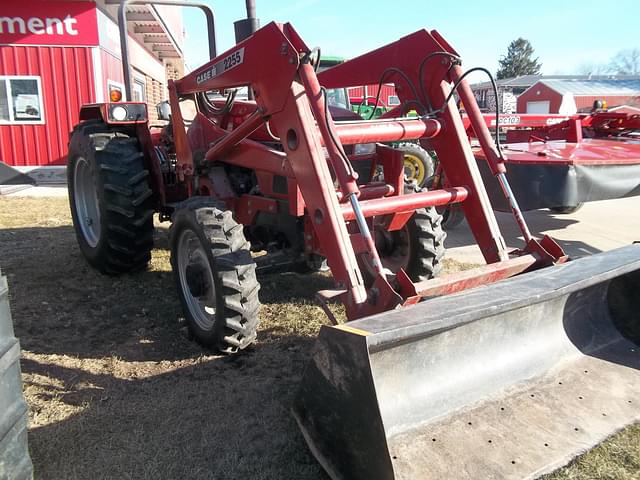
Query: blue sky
[566, 35]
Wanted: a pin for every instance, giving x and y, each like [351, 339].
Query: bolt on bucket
[509, 380]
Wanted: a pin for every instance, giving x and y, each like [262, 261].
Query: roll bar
[124, 42]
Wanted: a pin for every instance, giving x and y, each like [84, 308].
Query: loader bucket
[509, 380]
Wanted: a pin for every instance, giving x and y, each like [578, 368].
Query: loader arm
[426, 60]
[276, 64]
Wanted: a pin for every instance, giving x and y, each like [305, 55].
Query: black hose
[495, 92]
[406, 79]
[455, 59]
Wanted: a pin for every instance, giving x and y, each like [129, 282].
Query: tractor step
[507, 380]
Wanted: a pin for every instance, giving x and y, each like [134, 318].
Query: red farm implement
[561, 162]
[282, 174]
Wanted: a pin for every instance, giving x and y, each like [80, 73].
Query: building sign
[38, 22]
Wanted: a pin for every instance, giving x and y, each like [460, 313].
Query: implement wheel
[417, 248]
[418, 164]
[215, 275]
[110, 198]
[566, 209]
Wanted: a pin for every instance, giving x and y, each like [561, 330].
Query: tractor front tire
[452, 216]
[215, 275]
[110, 198]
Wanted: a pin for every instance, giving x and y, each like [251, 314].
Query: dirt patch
[117, 389]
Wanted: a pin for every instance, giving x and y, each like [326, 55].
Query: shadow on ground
[217, 418]
[539, 222]
[117, 389]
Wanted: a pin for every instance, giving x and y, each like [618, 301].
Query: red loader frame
[276, 64]
[307, 175]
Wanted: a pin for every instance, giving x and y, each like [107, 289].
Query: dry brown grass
[117, 390]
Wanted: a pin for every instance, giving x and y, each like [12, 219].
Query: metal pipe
[245, 28]
[406, 203]
[344, 171]
[368, 192]
[477, 122]
[493, 157]
[251, 8]
[238, 134]
[367, 132]
[375, 191]
[366, 234]
[124, 36]
[515, 208]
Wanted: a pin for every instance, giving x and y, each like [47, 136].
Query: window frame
[139, 81]
[12, 121]
[396, 101]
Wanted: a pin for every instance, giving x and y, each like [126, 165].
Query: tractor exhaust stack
[509, 380]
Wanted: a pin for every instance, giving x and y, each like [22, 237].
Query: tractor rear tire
[419, 166]
[417, 248]
[110, 198]
[215, 275]
[452, 216]
[427, 247]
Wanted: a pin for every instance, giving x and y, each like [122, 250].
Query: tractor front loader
[499, 372]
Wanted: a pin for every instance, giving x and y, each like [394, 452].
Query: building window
[482, 98]
[139, 90]
[393, 100]
[20, 100]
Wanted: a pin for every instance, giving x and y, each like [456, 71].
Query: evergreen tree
[518, 60]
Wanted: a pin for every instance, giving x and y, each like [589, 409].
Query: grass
[116, 388]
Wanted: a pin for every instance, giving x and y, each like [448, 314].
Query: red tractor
[287, 175]
[276, 174]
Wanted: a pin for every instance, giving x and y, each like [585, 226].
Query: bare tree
[626, 62]
[590, 68]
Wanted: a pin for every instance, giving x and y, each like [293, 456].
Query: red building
[568, 96]
[56, 55]
[388, 96]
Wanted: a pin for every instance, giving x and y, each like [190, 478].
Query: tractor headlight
[127, 112]
[119, 113]
[365, 149]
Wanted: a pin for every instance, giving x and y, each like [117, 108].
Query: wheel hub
[196, 279]
[86, 202]
[414, 169]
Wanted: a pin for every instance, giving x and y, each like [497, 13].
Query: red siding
[546, 94]
[66, 75]
[555, 99]
[586, 101]
[372, 91]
